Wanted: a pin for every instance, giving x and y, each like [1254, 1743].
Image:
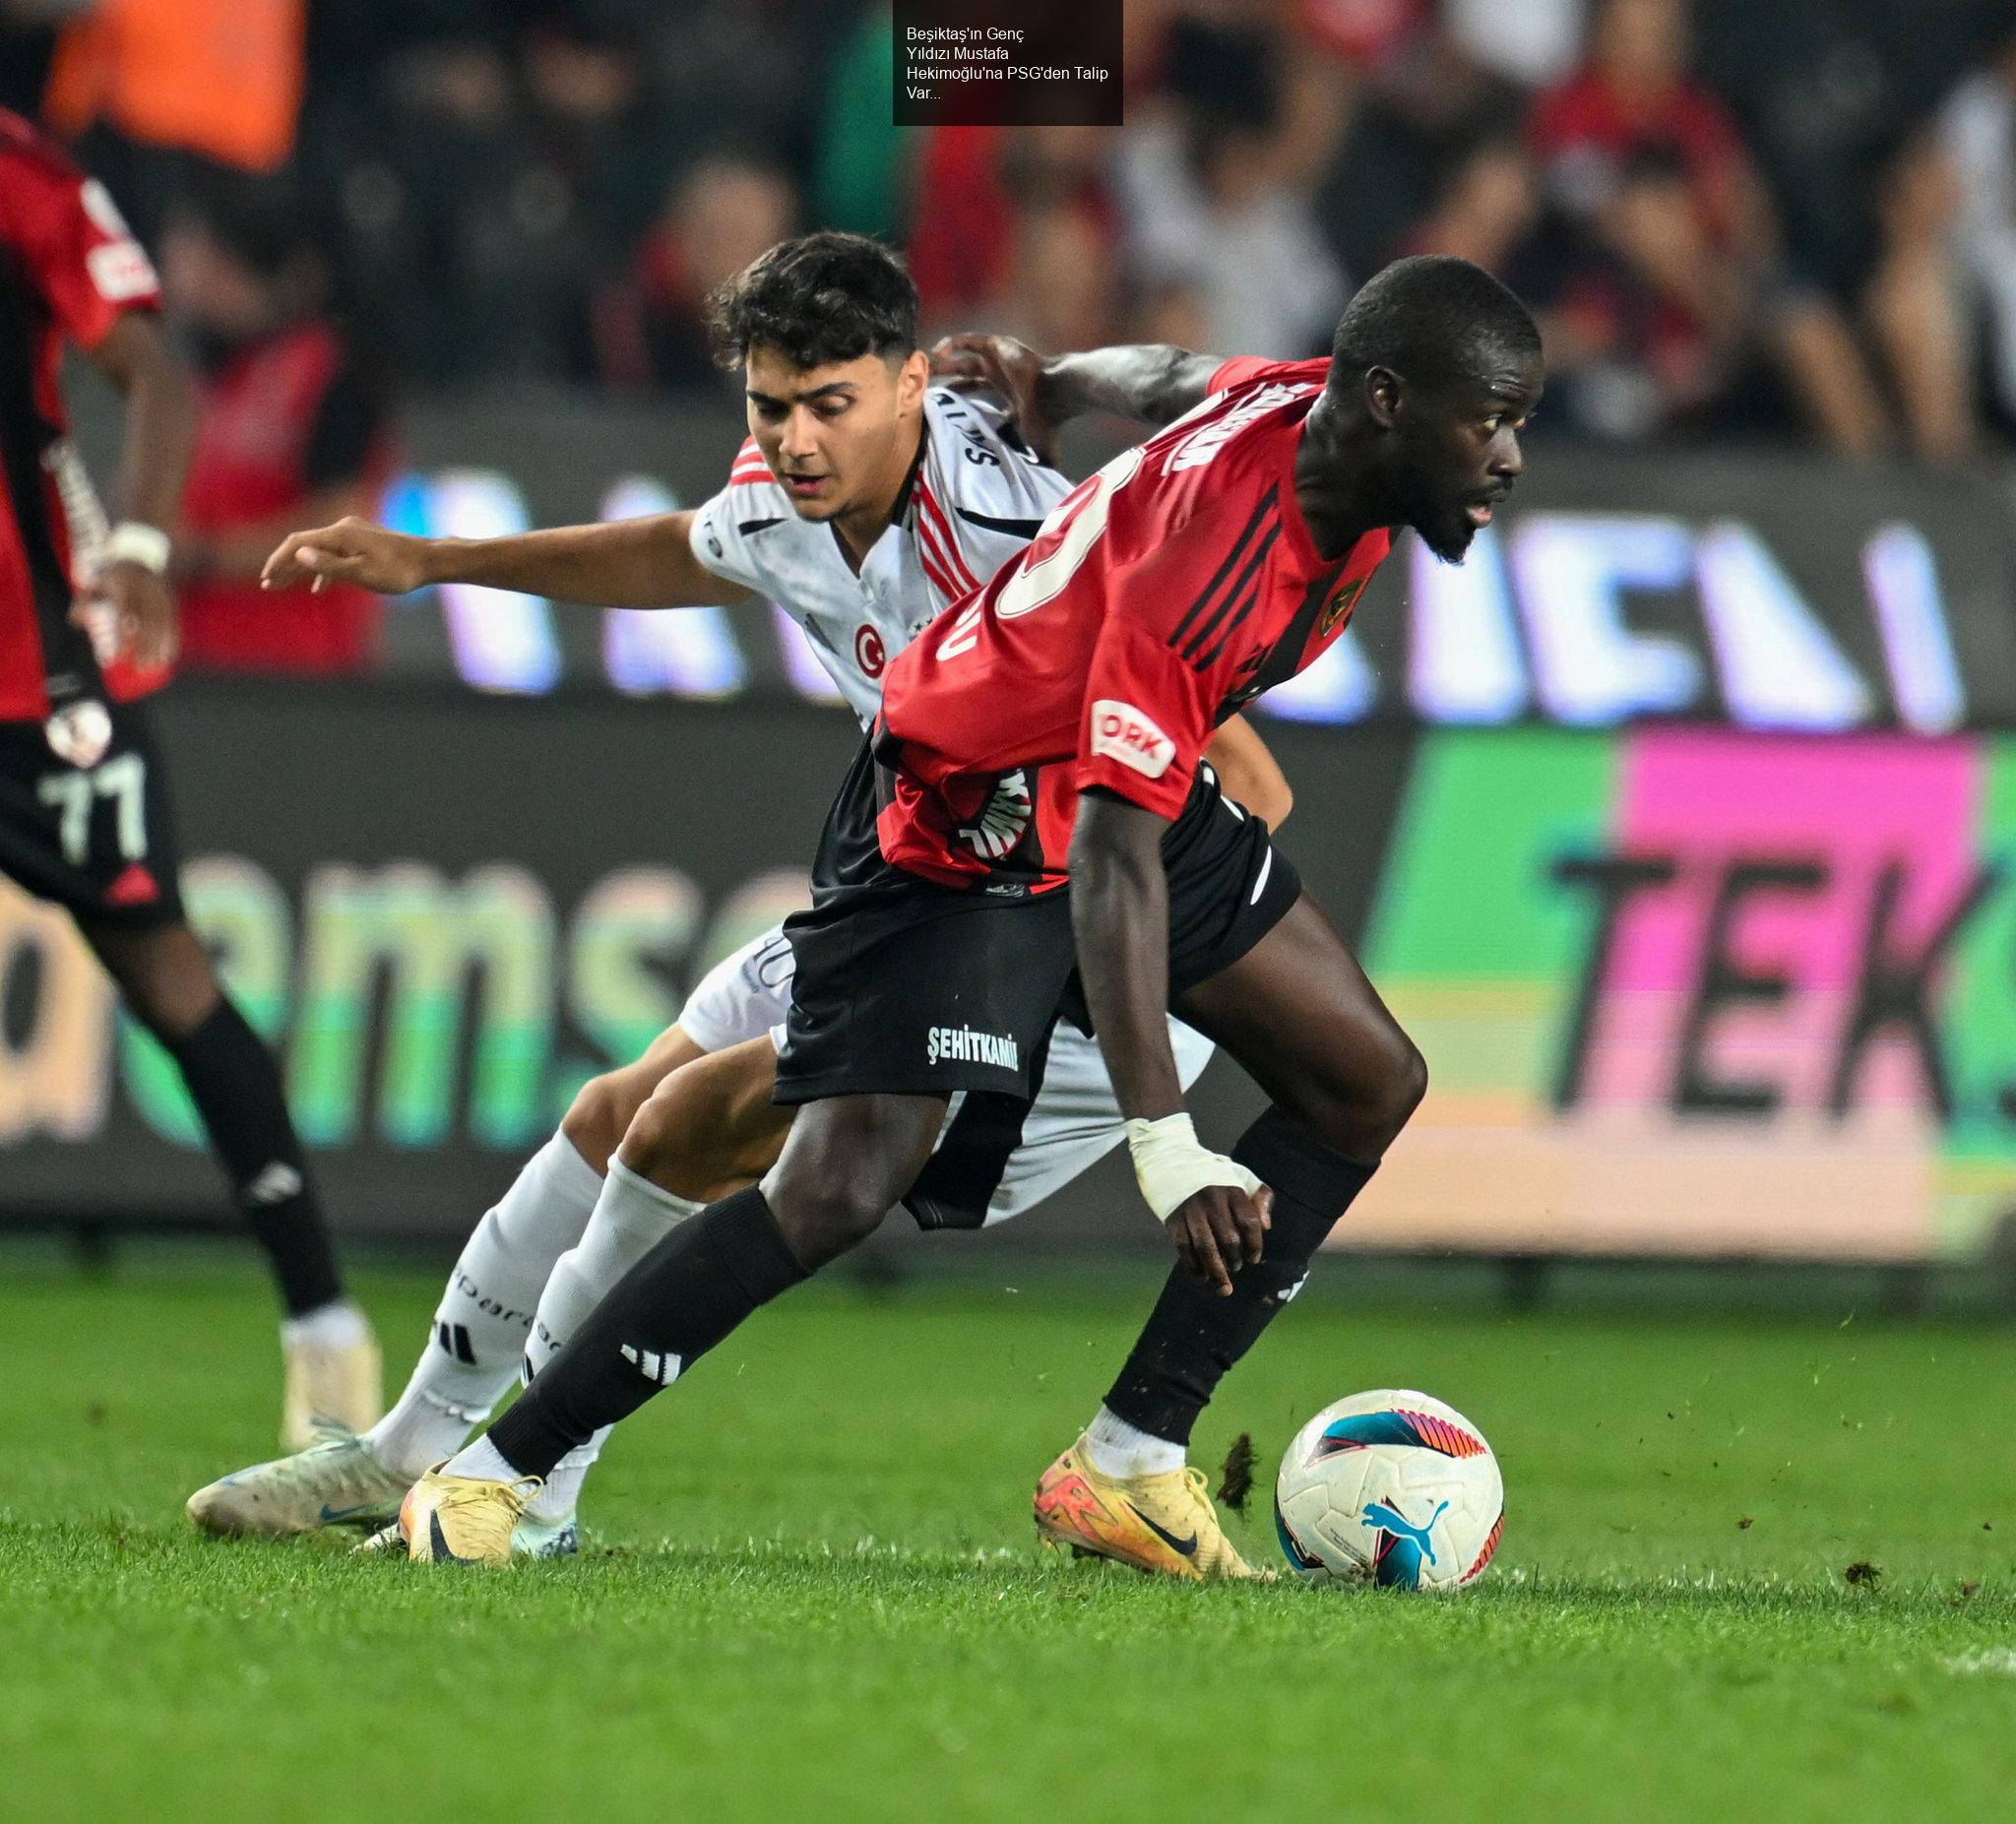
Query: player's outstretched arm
[1155, 383]
[1216, 1211]
[641, 563]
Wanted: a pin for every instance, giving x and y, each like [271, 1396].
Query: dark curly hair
[822, 297]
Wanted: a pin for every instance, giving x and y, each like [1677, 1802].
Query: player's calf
[847, 1162]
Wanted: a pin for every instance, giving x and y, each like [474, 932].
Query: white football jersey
[974, 500]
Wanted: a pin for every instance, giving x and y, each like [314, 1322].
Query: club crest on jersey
[1121, 731]
[1339, 605]
[869, 653]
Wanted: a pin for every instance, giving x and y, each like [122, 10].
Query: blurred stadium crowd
[1776, 217]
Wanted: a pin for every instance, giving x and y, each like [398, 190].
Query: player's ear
[910, 380]
[1385, 397]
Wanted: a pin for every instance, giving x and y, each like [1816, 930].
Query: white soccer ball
[1390, 1487]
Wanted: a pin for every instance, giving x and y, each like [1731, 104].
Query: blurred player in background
[84, 808]
[864, 501]
[290, 432]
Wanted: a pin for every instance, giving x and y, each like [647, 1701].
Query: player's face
[1458, 453]
[838, 437]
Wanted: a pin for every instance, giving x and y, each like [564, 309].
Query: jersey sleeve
[1147, 720]
[75, 246]
[1153, 686]
[719, 545]
[1242, 368]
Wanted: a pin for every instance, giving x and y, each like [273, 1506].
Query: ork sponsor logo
[1121, 731]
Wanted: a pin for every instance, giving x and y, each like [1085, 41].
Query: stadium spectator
[1427, 106]
[1064, 289]
[149, 90]
[599, 150]
[652, 327]
[1977, 135]
[27, 45]
[1669, 263]
[1212, 200]
[290, 433]
[973, 185]
[1918, 305]
[1487, 207]
[1535, 43]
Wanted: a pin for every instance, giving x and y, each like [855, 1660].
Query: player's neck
[1340, 495]
[858, 527]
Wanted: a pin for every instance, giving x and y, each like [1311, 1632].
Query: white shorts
[994, 1158]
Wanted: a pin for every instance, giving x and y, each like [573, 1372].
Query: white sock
[486, 1312]
[338, 1324]
[1117, 1448]
[482, 1460]
[561, 1495]
[631, 1215]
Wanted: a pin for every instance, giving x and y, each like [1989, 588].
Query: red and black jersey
[68, 269]
[1162, 595]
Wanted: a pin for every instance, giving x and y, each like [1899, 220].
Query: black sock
[235, 1083]
[667, 1311]
[1194, 1334]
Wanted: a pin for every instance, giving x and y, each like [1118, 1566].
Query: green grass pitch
[812, 1591]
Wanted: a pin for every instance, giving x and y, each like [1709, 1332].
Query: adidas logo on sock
[275, 1184]
[664, 1369]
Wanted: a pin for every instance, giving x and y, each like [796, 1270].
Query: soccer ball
[1390, 1487]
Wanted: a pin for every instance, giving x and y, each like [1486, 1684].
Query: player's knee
[1360, 1107]
[827, 1222]
[707, 1129]
[1405, 1086]
[839, 1176]
[593, 1122]
[665, 1134]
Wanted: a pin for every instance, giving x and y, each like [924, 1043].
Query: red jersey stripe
[930, 548]
[935, 570]
[935, 516]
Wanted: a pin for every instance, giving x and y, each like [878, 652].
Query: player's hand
[1221, 1230]
[143, 612]
[1001, 365]
[352, 551]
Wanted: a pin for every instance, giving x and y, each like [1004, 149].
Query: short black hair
[1432, 319]
[823, 298]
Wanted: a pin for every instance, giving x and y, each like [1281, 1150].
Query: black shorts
[96, 840]
[908, 988]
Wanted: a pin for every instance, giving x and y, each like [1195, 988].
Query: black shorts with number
[908, 988]
[96, 840]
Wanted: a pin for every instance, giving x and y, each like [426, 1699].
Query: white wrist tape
[131, 542]
[1172, 1166]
